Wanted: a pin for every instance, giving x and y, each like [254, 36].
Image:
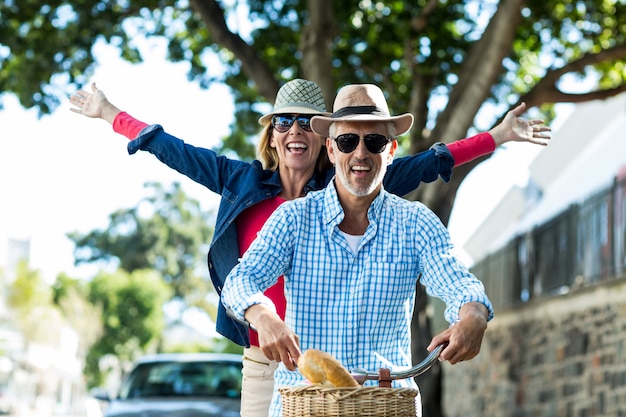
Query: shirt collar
[333, 212]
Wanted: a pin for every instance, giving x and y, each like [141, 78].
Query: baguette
[322, 368]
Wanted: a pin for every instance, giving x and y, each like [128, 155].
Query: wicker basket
[320, 401]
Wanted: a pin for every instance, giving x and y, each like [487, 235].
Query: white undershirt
[353, 240]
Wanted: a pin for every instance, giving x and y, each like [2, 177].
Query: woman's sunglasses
[374, 142]
[283, 122]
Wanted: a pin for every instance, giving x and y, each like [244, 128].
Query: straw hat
[297, 97]
[361, 102]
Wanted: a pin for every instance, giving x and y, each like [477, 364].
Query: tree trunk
[480, 70]
[429, 382]
[253, 66]
[315, 42]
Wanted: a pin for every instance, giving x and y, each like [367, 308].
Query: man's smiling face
[361, 171]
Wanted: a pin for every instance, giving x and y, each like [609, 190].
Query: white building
[586, 154]
[36, 377]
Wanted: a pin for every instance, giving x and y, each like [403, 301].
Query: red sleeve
[466, 150]
[127, 125]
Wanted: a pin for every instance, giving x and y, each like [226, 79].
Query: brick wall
[560, 357]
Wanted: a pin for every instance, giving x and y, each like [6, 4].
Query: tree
[444, 61]
[166, 232]
[132, 317]
[157, 249]
[30, 301]
[72, 298]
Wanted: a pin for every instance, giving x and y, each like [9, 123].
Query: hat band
[347, 111]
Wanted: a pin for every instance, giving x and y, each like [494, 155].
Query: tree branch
[616, 52]
[252, 65]
[315, 42]
[419, 22]
[420, 84]
[547, 90]
[480, 71]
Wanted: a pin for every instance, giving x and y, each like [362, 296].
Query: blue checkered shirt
[355, 305]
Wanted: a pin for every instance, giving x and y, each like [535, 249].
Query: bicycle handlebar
[361, 375]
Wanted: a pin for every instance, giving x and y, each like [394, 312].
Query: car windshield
[189, 379]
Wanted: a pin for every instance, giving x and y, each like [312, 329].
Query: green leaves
[131, 307]
[157, 251]
[46, 50]
[166, 232]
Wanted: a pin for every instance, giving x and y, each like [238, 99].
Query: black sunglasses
[283, 122]
[374, 142]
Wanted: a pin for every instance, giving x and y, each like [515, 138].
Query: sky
[64, 172]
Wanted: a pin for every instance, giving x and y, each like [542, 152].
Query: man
[351, 255]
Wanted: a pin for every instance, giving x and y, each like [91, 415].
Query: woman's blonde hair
[269, 157]
[266, 154]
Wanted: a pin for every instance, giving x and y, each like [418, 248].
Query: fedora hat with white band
[297, 96]
[361, 102]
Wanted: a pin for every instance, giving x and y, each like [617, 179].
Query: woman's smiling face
[297, 147]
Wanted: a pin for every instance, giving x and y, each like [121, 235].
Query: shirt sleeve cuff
[240, 309]
[445, 156]
[144, 137]
[466, 150]
[127, 125]
[452, 311]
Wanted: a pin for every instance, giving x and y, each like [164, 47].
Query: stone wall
[560, 357]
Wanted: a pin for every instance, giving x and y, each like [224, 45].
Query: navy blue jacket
[243, 184]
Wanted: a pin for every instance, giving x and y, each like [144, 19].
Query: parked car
[181, 384]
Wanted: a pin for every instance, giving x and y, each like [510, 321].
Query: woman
[292, 162]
